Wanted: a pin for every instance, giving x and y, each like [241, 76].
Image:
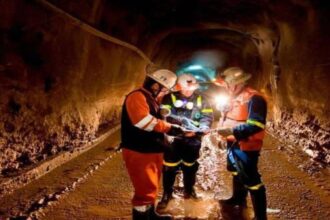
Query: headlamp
[178, 103]
[222, 101]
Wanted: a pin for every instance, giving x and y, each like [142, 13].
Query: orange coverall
[143, 168]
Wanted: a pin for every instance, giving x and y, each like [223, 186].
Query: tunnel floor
[95, 185]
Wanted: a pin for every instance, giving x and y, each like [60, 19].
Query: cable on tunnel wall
[88, 28]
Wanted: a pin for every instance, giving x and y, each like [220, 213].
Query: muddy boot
[153, 215]
[141, 212]
[148, 212]
[169, 174]
[239, 194]
[190, 194]
[167, 196]
[189, 180]
[259, 203]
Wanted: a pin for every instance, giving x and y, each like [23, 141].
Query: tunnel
[67, 66]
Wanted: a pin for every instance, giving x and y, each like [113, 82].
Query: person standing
[243, 126]
[191, 110]
[142, 141]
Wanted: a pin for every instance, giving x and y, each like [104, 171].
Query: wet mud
[296, 188]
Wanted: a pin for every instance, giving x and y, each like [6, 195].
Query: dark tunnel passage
[66, 67]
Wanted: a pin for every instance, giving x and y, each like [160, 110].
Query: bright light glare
[195, 67]
[221, 100]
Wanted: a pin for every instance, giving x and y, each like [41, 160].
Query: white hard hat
[235, 75]
[187, 81]
[164, 77]
[232, 76]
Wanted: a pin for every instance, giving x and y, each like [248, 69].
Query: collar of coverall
[146, 90]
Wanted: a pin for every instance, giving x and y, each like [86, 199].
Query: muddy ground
[96, 186]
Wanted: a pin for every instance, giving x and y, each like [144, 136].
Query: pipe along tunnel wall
[62, 86]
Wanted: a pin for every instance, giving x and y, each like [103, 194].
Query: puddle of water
[204, 208]
[210, 186]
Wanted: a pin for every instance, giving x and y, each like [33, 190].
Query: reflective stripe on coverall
[247, 117]
[144, 168]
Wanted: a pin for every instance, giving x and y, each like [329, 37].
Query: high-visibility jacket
[141, 126]
[196, 108]
[240, 114]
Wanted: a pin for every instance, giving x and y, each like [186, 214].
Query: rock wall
[302, 129]
[302, 102]
[60, 86]
[294, 53]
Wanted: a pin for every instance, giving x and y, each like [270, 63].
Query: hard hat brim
[158, 81]
[223, 83]
[243, 79]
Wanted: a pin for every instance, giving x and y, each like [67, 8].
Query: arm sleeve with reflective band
[139, 114]
[257, 109]
[206, 114]
[168, 104]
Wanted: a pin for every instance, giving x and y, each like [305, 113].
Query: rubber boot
[167, 196]
[149, 214]
[259, 203]
[153, 215]
[189, 180]
[239, 194]
[140, 215]
[169, 174]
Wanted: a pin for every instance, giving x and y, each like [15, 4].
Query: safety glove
[176, 130]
